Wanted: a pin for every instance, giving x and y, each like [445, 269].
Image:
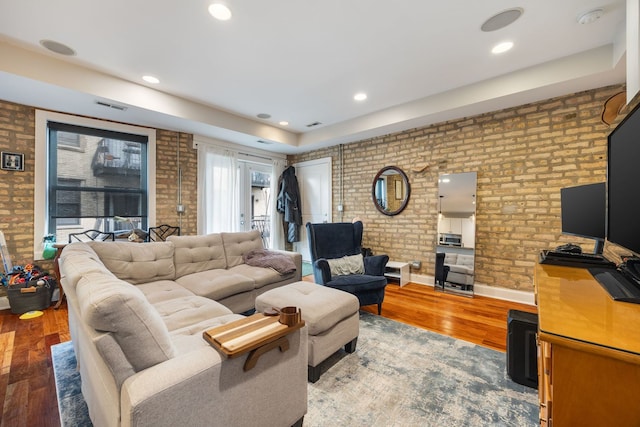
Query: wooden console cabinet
[588, 352]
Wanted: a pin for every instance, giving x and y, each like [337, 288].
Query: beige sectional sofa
[136, 316]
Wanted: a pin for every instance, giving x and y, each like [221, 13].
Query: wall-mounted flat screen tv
[583, 212]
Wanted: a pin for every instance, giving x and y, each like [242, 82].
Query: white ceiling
[419, 61]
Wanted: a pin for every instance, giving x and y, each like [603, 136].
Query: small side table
[56, 266]
[256, 335]
[398, 271]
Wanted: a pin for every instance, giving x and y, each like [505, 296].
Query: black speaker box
[522, 360]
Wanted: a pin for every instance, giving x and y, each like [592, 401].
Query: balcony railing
[114, 157]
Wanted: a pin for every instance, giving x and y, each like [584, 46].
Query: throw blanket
[281, 263]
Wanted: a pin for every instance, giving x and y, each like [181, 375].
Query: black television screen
[623, 176]
[583, 212]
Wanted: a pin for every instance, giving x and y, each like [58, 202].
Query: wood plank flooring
[479, 320]
[27, 387]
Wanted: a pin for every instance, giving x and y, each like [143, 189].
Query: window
[97, 175]
[69, 203]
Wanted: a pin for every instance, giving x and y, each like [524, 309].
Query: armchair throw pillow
[351, 264]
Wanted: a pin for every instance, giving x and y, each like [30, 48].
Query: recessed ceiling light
[502, 47]
[502, 19]
[263, 116]
[591, 16]
[220, 12]
[360, 96]
[151, 79]
[284, 123]
[57, 47]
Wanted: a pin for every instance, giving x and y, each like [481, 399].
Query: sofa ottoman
[332, 318]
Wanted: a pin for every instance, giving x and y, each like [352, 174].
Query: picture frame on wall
[12, 161]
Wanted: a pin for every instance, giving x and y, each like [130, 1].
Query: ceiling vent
[114, 106]
[310, 125]
[262, 141]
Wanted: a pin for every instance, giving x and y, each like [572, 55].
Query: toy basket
[30, 296]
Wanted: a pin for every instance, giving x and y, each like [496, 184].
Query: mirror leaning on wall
[456, 232]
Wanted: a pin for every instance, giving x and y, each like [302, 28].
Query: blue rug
[398, 376]
[71, 404]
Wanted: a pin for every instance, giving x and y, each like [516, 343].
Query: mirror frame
[405, 179]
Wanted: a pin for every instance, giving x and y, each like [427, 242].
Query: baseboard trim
[506, 294]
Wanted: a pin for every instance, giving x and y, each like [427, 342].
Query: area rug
[398, 376]
[71, 404]
[405, 376]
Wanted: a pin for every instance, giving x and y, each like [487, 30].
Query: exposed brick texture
[17, 134]
[167, 180]
[522, 156]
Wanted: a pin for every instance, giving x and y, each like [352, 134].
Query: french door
[255, 198]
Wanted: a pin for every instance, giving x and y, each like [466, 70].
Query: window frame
[41, 185]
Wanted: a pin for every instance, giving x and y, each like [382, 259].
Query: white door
[314, 182]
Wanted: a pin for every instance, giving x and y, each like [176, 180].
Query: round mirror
[390, 190]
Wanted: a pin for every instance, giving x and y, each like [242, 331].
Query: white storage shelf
[398, 271]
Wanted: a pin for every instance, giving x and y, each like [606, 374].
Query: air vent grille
[310, 125]
[114, 106]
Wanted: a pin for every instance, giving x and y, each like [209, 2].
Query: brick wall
[167, 179]
[522, 156]
[17, 134]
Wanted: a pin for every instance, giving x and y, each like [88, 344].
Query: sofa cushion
[181, 312]
[466, 260]
[258, 275]
[114, 357]
[135, 262]
[216, 284]
[111, 305]
[239, 243]
[194, 254]
[163, 290]
[457, 268]
[450, 258]
[78, 258]
[184, 345]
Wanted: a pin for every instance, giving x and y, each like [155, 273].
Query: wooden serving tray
[244, 335]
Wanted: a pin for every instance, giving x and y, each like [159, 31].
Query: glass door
[256, 200]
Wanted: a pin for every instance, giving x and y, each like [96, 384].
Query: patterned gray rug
[398, 376]
[405, 376]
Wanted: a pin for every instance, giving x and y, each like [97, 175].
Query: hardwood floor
[479, 320]
[27, 385]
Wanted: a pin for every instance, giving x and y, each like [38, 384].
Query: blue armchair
[329, 243]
